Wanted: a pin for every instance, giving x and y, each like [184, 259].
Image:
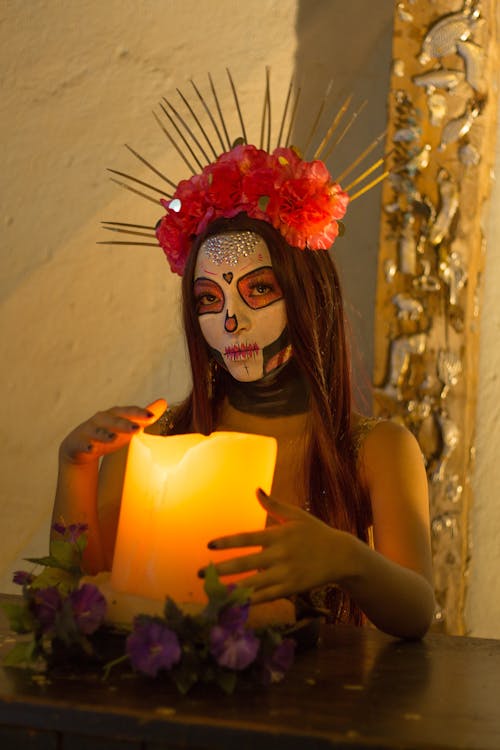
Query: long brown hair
[315, 316]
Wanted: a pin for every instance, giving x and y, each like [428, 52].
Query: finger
[261, 538]
[157, 407]
[242, 564]
[279, 511]
[131, 413]
[107, 422]
[269, 593]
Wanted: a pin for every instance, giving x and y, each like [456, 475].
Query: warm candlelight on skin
[179, 492]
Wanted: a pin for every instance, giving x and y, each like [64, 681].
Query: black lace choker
[281, 393]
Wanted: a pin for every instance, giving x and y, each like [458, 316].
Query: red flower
[224, 191]
[297, 197]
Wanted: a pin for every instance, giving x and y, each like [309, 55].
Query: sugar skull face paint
[240, 306]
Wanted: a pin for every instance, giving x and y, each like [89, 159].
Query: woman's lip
[239, 352]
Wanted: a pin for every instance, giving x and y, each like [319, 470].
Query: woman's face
[240, 305]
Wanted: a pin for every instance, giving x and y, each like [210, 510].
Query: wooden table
[358, 689]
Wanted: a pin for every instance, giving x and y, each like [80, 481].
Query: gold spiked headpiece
[276, 185]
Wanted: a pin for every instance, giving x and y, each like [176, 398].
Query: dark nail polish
[89, 448]
[201, 573]
[135, 426]
[111, 435]
[212, 545]
[149, 413]
[261, 492]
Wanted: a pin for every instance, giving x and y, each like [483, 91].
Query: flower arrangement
[65, 616]
[298, 198]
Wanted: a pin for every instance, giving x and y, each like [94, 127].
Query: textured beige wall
[483, 601]
[82, 326]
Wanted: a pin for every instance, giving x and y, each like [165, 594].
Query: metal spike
[127, 224]
[153, 169]
[130, 244]
[318, 118]
[236, 101]
[365, 174]
[133, 190]
[362, 156]
[129, 231]
[174, 144]
[186, 142]
[294, 115]
[370, 185]
[349, 125]
[139, 182]
[197, 121]
[332, 127]
[266, 112]
[209, 113]
[285, 112]
[219, 110]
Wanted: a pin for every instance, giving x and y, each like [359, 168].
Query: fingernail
[261, 492]
[149, 413]
[212, 545]
[89, 447]
[135, 426]
[201, 573]
[111, 435]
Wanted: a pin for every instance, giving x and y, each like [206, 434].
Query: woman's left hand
[297, 553]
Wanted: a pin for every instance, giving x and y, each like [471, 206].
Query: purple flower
[73, 531]
[45, 605]
[281, 660]
[152, 646]
[234, 618]
[22, 577]
[234, 649]
[89, 607]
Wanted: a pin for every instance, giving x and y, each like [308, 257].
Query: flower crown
[298, 198]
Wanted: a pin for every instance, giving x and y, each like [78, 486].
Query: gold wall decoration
[442, 109]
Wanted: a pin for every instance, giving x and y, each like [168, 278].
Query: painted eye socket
[260, 288]
[208, 296]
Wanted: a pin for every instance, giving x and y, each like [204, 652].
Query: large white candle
[179, 492]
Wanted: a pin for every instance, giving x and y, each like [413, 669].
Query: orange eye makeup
[260, 288]
[209, 297]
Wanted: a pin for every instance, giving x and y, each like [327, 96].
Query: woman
[349, 526]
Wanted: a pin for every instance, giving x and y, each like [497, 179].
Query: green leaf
[21, 654]
[65, 580]
[19, 616]
[63, 555]
[174, 616]
[226, 680]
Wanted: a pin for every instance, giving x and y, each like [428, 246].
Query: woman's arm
[392, 583]
[76, 499]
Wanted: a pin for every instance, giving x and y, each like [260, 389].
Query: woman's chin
[245, 372]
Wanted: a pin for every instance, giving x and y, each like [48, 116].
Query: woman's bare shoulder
[389, 446]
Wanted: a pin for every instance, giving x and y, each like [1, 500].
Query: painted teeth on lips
[241, 351]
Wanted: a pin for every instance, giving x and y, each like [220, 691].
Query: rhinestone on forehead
[228, 248]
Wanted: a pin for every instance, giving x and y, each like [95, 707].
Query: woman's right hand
[107, 431]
